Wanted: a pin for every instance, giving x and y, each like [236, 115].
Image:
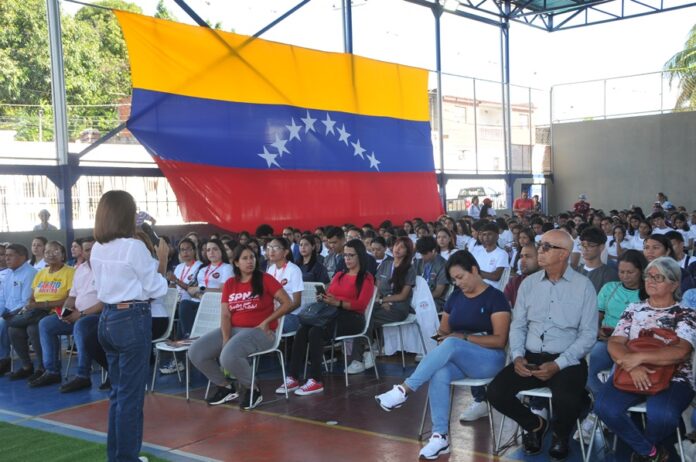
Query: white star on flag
[309, 122]
[329, 124]
[280, 146]
[374, 163]
[294, 129]
[269, 158]
[343, 134]
[358, 150]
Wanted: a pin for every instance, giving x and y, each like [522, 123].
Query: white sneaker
[392, 399]
[143, 459]
[437, 445]
[586, 428]
[475, 411]
[543, 412]
[356, 367]
[172, 368]
[368, 360]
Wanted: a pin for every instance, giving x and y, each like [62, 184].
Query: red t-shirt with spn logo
[247, 310]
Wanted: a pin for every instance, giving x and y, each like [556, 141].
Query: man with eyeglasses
[592, 243]
[554, 325]
[289, 234]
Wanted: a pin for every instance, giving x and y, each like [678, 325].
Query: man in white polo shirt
[81, 305]
[492, 260]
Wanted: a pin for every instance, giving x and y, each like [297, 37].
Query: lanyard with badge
[208, 271]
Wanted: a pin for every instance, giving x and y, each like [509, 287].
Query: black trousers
[346, 323]
[569, 399]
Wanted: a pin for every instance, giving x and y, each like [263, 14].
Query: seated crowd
[526, 301]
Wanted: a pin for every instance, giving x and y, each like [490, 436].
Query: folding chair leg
[582, 440]
[681, 445]
[403, 355]
[425, 412]
[253, 380]
[154, 371]
[207, 390]
[69, 351]
[345, 363]
[306, 360]
[490, 420]
[420, 334]
[187, 376]
[282, 369]
[176, 365]
[369, 345]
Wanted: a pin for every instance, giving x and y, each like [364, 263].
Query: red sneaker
[290, 383]
[310, 388]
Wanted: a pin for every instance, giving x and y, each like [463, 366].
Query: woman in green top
[612, 300]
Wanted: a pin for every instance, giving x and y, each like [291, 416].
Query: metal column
[60, 119]
[505, 84]
[437, 12]
[347, 26]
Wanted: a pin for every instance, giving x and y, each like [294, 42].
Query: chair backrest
[170, 302]
[309, 293]
[208, 315]
[368, 311]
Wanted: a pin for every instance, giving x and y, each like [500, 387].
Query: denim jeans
[663, 417]
[126, 336]
[291, 323]
[187, 315]
[84, 327]
[50, 329]
[4, 339]
[453, 359]
[599, 361]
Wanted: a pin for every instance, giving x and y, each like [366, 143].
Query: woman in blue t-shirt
[472, 337]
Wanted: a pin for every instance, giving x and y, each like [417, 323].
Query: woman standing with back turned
[126, 279]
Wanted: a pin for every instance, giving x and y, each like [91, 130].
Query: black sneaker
[22, 373]
[252, 398]
[47, 378]
[661, 456]
[37, 373]
[533, 441]
[223, 395]
[106, 386]
[5, 365]
[78, 383]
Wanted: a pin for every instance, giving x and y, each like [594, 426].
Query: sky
[397, 31]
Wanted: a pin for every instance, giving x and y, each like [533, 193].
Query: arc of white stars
[279, 144]
[358, 150]
[343, 134]
[374, 163]
[294, 130]
[309, 123]
[269, 158]
[329, 124]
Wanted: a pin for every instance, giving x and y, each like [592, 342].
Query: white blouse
[125, 270]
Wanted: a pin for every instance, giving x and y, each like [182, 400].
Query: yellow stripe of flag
[195, 61]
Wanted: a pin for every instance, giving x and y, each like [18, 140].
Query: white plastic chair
[410, 320]
[170, 301]
[363, 334]
[309, 296]
[504, 278]
[207, 319]
[274, 349]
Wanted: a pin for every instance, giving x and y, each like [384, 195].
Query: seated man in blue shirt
[15, 293]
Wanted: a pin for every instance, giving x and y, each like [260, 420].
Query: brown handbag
[648, 340]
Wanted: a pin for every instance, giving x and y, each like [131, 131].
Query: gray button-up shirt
[555, 317]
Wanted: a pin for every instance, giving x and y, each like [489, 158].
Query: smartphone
[150, 233]
[65, 313]
[607, 331]
[436, 337]
[321, 290]
[532, 367]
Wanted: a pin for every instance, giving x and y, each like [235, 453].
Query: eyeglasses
[656, 278]
[53, 252]
[588, 245]
[545, 246]
[274, 247]
[350, 255]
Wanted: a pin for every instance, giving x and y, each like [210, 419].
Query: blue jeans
[599, 361]
[291, 323]
[4, 339]
[126, 336]
[50, 329]
[187, 315]
[453, 359]
[82, 329]
[663, 418]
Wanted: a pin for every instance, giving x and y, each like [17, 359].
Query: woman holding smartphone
[472, 337]
[127, 279]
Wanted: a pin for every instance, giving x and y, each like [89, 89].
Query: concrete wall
[619, 162]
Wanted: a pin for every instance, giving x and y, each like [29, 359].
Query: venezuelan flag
[249, 131]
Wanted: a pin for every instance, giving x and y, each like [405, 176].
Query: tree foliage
[95, 61]
[682, 66]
